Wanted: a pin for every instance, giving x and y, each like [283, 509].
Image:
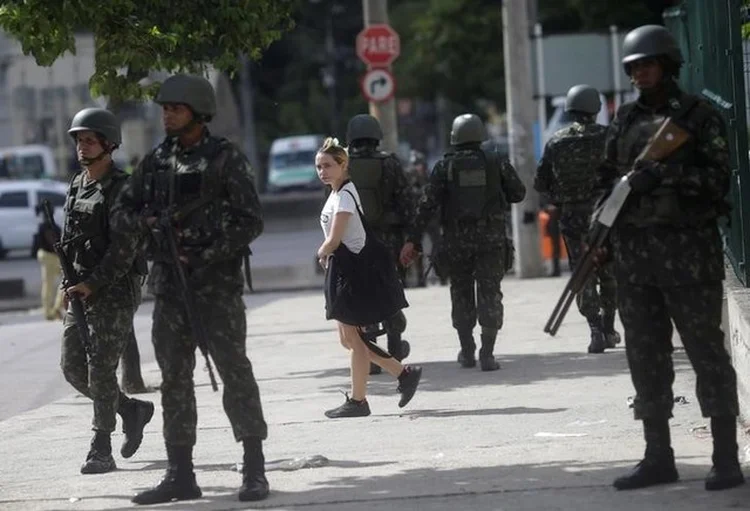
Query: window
[14, 200]
[290, 160]
[57, 200]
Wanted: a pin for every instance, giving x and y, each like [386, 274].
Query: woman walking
[361, 288]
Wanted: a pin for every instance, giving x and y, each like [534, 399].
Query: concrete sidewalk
[549, 431]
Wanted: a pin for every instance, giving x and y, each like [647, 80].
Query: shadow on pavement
[567, 485]
[522, 369]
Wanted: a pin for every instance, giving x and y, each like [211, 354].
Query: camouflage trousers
[647, 313]
[591, 302]
[223, 316]
[92, 370]
[483, 266]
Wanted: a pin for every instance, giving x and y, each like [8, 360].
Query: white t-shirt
[354, 235]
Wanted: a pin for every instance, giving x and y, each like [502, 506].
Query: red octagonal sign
[378, 45]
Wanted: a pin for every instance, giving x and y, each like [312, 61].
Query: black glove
[646, 177]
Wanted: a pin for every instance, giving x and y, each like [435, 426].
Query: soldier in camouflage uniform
[104, 255]
[387, 205]
[565, 177]
[669, 260]
[474, 187]
[208, 183]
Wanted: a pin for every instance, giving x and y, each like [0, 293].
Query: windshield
[298, 159]
[24, 167]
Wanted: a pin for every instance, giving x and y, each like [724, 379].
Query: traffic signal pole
[375, 13]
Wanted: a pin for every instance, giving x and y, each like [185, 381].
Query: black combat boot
[611, 336]
[254, 482]
[466, 356]
[486, 353]
[657, 466]
[179, 481]
[725, 472]
[598, 340]
[99, 459]
[135, 415]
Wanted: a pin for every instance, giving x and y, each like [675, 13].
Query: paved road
[271, 250]
[30, 355]
[550, 431]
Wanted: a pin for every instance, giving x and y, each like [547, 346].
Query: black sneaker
[408, 383]
[350, 408]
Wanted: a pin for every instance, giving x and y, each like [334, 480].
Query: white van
[33, 161]
[291, 164]
[18, 219]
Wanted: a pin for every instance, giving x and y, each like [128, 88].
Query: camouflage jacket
[670, 235]
[105, 251]
[436, 195]
[567, 171]
[400, 202]
[212, 237]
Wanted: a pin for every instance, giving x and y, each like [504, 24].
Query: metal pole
[376, 12]
[615, 41]
[520, 106]
[542, 91]
[248, 117]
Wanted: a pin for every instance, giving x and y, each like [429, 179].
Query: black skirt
[363, 289]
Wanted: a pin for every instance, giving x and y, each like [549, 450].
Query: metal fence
[710, 35]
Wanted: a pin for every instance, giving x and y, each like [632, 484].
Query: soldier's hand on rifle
[408, 254]
[602, 255]
[80, 289]
[646, 176]
[151, 221]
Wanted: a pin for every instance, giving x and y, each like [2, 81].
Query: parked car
[18, 218]
[34, 161]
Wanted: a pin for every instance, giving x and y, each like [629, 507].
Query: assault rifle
[70, 278]
[665, 141]
[166, 228]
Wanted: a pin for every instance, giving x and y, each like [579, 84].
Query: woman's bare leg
[391, 365]
[360, 363]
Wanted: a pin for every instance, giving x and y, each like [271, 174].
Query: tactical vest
[577, 156]
[192, 197]
[474, 187]
[366, 172]
[664, 205]
[87, 223]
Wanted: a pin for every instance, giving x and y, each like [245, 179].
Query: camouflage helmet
[650, 41]
[584, 99]
[99, 120]
[468, 128]
[193, 91]
[363, 126]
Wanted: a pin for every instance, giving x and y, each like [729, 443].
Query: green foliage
[133, 37]
[455, 47]
[746, 26]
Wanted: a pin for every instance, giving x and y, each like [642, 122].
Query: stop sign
[378, 45]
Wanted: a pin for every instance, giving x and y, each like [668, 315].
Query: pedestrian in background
[353, 296]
